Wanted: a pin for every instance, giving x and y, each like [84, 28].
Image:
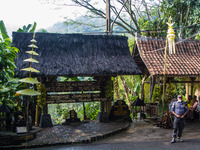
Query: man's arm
[184, 115]
[185, 112]
[173, 111]
[178, 116]
[194, 105]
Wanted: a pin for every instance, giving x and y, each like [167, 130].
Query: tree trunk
[125, 90]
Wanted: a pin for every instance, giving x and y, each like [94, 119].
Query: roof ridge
[145, 38]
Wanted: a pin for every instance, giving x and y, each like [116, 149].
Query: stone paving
[72, 134]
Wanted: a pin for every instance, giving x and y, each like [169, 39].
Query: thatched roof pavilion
[76, 55]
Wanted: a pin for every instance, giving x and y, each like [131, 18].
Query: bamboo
[36, 116]
[164, 77]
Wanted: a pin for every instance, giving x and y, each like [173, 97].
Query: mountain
[81, 25]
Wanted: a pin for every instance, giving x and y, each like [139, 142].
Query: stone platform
[72, 134]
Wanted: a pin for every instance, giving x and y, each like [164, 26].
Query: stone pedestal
[103, 117]
[45, 121]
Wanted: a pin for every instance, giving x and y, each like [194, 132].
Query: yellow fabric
[189, 104]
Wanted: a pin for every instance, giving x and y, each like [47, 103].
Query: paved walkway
[72, 134]
[141, 135]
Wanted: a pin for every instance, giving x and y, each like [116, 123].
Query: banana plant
[8, 84]
[28, 28]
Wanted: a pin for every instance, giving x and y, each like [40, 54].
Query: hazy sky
[16, 13]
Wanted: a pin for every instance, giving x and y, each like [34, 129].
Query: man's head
[194, 97]
[189, 97]
[179, 97]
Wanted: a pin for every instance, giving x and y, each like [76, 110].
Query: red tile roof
[186, 61]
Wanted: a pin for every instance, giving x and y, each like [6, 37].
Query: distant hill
[81, 25]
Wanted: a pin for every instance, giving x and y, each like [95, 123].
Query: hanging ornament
[171, 36]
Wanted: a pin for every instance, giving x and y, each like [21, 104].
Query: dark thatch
[138, 102]
[76, 55]
[4, 108]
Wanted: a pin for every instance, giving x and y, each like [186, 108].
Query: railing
[152, 109]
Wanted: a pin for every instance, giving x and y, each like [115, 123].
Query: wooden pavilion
[99, 56]
[148, 53]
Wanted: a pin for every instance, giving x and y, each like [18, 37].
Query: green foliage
[8, 84]
[28, 28]
[133, 82]
[64, 79]
[59, 112]
[131, 43]
[7, 92]
[147, 93]
[180, 87]
[156, 97]
[183, 12]
[42, 30]
[108, 88]
[41, 99]
[170, 92]
[3, 30]
[7, 55]
[92, 109]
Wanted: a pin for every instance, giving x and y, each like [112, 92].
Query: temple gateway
[72, 55]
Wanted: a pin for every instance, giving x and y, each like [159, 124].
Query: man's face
[180, 98]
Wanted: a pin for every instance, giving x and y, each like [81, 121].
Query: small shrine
[120, 111]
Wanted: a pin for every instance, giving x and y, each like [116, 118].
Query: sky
[16, 13]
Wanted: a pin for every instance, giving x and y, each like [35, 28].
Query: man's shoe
[173, 140]
[179, 139]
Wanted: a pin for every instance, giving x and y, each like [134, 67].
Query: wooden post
[164, 77]
[84, 114]
[152, 84]
[187, 90]
[36, 116]
[192, 85]
[108, 23]
[142, 88]
[108, 94]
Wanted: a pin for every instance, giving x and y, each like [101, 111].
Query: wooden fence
[152, 109]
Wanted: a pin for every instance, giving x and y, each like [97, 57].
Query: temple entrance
[77, 94]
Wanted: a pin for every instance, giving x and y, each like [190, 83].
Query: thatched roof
[149, 53]
[4, 108]
[76, 55]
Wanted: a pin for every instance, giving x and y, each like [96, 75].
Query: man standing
[179, 109]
